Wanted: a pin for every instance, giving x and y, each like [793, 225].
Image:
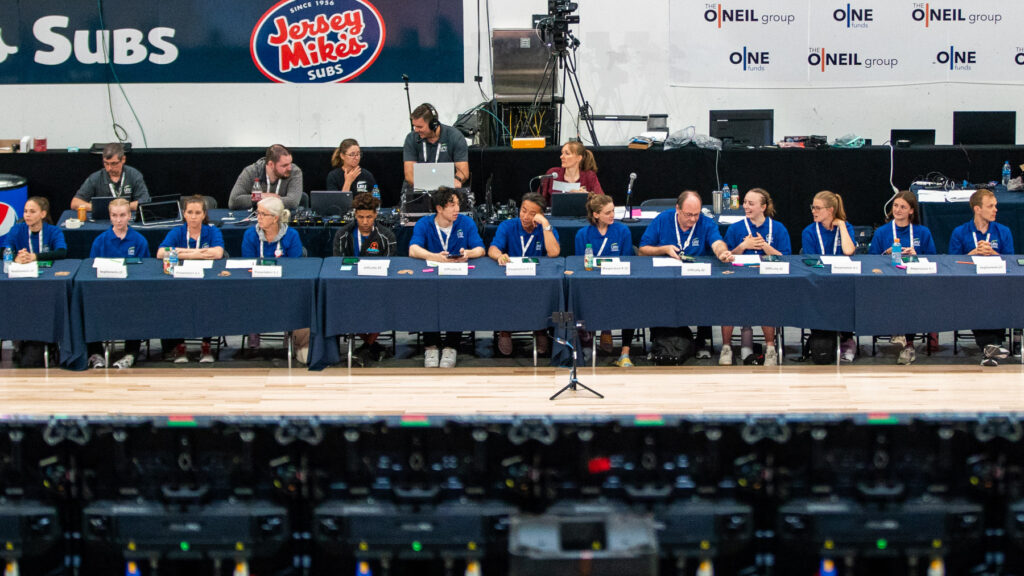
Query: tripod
[561, 59]
[565, 319]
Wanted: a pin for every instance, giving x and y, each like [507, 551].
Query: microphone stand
[566, 319]
[627, 215]
[408, 101]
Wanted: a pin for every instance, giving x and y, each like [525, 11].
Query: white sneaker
[96, 361]
[907, 356]
[771, 357]
[126, 361]
[302, 355]
[207, 356]
[725, 358]
[180, 354]
[898, 340]
[431, 357]
[848, 350]
[448, 358]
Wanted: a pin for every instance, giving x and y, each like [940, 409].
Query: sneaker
[505, 343]
[624, 361]
[97, 361]
[431, 358]
[725, 358]
[207, 356]
[448, 358]
[180, 355]
[302, 355]
[126, 361]
[996, 351]
[543, 342]
[898, 340]
[605, 345]
[933, 341]
[989, 362]
[771, 357]
[703, 353]
[848, 350]
[907, 355]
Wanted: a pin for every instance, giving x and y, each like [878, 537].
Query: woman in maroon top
[578, 166]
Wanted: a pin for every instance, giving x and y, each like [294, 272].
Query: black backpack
[671, 346]
[820, 346]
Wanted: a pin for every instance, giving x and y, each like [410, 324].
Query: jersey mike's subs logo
[317, 41]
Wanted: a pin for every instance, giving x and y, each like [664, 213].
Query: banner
[13, 194]
[786, 43]
[290, 41]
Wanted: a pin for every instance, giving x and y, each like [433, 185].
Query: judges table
[485, 299]
[151, 304]
[38, 309]
[942, 217]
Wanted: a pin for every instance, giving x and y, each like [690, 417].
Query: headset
[434, 123]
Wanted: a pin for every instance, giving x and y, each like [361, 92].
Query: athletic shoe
[180, 355]
[126, 361]
[302, 355]
[771, 357]
[543, 342]
[725, 358]
[703, 353]
[431, 358]
[605, 345]
[448, 358]
[989, 362]
[207, 356]
[898, 340]
[505, 343]
[907, 355]
[624, 362]
[97, 361]
[848, 350]
[996, 351]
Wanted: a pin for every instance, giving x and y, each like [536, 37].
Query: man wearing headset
[431, 141]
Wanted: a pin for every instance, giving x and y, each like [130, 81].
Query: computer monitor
[912, 137]
[330, 202]
[985, 128]
[741, 128]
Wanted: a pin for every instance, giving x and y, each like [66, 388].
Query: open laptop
[330, 202]
[908, 137]
[157, 213]
[433, 176]
[101, 208]
[570, 204]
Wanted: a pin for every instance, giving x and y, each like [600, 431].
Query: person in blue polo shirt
[118, 242]
[36, 239]
[915, 239]
[758, 233]
[529, 235]
[446, 237]
[685, 230]
[983, 236]
[194, 240]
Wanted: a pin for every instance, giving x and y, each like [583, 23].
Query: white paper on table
[747, 259]
[959, 195]
[923, 260]
[730, 218]
[559, 186]
[26, 270]
[204, 264]
[649, 214]
[107, 262]
[829, 260]
[240, 263]
[931, 195]
[666, 262]
[986, 260]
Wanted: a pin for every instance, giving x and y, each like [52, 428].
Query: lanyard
[198, 238]
[41, 241]
[835, 244]
[277, 251]
[912, 234]
[987, 235]
[679, 241]
[746, 222]
[526, 245]
[437, 156]
[601, 249]
[116, 192]
[359, 242]
[441, 237]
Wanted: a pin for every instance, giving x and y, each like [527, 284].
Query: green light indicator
[185, 547]
[416, 546]
[882, 544]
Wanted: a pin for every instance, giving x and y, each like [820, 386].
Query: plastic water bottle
[257, 191]
[588, 258]
[376, 192]
[726, 197]
[172, 261]
[735, 204]
[897, 252]
[8, 259]
[1006, 174]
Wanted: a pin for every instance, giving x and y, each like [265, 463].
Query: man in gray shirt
[430, 141]
[277, 176]
[116, 179]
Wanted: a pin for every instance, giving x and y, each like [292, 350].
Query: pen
[963, 262]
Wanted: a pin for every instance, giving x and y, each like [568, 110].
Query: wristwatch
[547, 228]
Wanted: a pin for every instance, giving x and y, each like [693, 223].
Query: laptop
[908, 137]
[433, 176]
[156, 213]
[330, 202]
[101, 208]
[571, 204]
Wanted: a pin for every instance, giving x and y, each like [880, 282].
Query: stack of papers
[944, 195]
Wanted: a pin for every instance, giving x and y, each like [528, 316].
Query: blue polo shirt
[771, 230]
[108, 245]
[463, 235]
[962, 239]
[511, 236]
[19, 238]
[209, 237]
[882, 240]
[289, 245]
[616, 241]
[833, 246]
[665, 231]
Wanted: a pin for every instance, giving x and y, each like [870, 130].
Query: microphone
[545, 176]
[627, 214]
[632, 178]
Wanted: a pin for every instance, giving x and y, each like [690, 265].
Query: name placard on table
[696, 268]
[453, 269]
[989, 265]
[372, 267]
[615, 268]
[188, 271]
[922, 268]
[775, 268]
[848, 267]
[520, 268]
[27, 270]
[112, 271]
[266, 271]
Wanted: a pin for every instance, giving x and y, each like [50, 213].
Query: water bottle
[726, 197]
[8, 259]
[588, 258]
[257, 191]
[172, 261]
[1006, 174]
[735, 204]
[376, 192]
[897, 252]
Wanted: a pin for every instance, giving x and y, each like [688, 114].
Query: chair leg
[288, 335]
[351, 337]
[46, 355]
[535, 350]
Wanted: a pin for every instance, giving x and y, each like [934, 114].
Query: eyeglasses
[264, 215]
[354, 154]
[690, 215]
[817, 208]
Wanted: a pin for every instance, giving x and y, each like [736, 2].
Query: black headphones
[434, 123]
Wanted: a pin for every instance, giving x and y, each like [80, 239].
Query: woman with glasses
[831, 235]
[347, 175]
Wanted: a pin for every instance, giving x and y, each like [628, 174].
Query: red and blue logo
[8, 216]
[317, 41]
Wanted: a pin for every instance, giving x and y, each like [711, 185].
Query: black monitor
[740, 128]
[985, 128]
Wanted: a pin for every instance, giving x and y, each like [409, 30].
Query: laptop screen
[330, 202]
[160, 212]
[101, 208]
[433, 176]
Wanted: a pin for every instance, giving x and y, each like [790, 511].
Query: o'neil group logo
[719, 14]
[854, 17]
[822, 59]
[751, 60]
[928, 14]
[8, 216]
[957, 59]
[317, 41]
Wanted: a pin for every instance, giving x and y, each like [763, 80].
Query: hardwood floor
[384, 391]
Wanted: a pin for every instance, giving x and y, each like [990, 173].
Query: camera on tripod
[555, 28]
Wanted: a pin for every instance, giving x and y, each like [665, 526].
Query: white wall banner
[801, 43]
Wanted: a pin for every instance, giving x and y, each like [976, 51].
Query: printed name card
[202, 264]
[107, 262]
[514, 268]
[989, 265]
[775, 268]
[696, 268]
[266, 271]
[188, 272]
[615, 268]
[240, 263]
[849, 267]
[921, 268]
[110, 271]
[369, 267]
[453, 269]
[29, 270]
